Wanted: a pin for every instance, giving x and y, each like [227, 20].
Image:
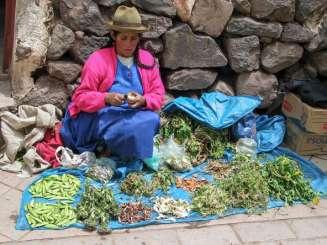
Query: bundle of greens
[286, 182]
[135, 184]
[59, 187]
[163, 179]
[200, 142]
[96, 208]
[51, 216]
[178, 125]
[245, 185]
[210, 200]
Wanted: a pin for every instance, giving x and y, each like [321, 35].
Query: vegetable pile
[52, 216]
[133, 213]
[190, 184]
[100, 173]
[163, 179]
[210, 200]
[286, 182]
[135, 184]
[169, 207]
[245, 186]
[96, 208]
[218, 169]
[60, 187]
[201, 142]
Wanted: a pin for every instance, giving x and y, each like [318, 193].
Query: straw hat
[127, 19]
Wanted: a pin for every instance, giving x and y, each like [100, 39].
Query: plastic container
[247, 146]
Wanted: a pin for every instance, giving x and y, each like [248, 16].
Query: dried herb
[100, 173]
[135, 184]
[133, 213]
[163, 179]
[210, 200]
[246, 186]
[190, 184]
[167, 207]
[218, 169]
[97, 207]
[286, 182]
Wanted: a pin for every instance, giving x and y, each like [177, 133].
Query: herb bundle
[135, 184]
[97, 207]
[246, 186]
[286, 181]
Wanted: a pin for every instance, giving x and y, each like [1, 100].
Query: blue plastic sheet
[215, 110]
[317, 178]
[268, 131]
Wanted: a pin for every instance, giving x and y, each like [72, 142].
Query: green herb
[286, 182]
[59, 187]
[135, 184]
[52, 216]
[210, 200]
[178, 125]
[97, 207]
[246, 186]
[163, 179]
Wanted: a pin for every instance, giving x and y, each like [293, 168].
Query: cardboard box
[313, 119]
[303, 142]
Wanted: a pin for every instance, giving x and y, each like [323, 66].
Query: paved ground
[297, 225]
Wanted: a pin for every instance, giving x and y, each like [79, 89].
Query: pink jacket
[98, 74]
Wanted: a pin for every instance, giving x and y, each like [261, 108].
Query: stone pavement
[297, 225]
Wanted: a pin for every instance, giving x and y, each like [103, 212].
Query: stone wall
[239, 46]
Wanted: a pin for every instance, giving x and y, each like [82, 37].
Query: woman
[101, 114]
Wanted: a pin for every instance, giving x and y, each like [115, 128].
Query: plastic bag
[246, 127]
[174, 155]
[67, 158]
[246, 146]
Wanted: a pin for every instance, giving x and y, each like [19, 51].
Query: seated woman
[100, 113]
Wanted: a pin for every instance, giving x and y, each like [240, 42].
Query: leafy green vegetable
[286, 181]
[135, 184]
[210, 200]
[97, 207]
[163, 179]
[246, 186]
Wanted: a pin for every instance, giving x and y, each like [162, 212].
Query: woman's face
[126, 43]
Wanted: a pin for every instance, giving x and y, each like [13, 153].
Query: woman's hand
[135, 100]
[114, 99]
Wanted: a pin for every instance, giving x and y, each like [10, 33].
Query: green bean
[61, 187]
[52, 216]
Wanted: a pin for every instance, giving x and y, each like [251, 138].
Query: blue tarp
[317, 178]
[215, 110]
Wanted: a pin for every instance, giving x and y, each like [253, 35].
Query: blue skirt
[127, 133]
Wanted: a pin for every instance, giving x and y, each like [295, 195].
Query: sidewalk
[298, 225]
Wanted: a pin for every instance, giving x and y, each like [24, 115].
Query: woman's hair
[136, 54]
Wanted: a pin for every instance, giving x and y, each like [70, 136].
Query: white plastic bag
[67, 158]
[174, 155]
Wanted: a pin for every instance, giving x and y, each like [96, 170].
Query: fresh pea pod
[59, 187]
